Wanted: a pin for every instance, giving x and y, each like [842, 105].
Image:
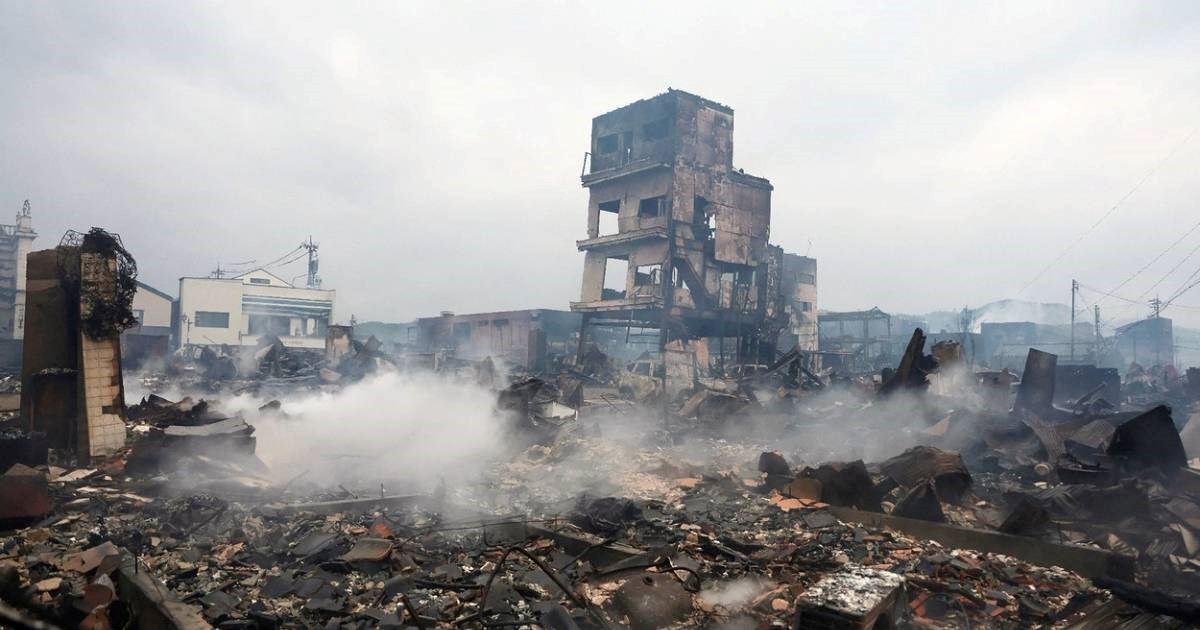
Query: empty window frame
[212, 319]
[269, 324]
[806, 278]
[616, 271]
[656, 130]
[648, 275]
[609, 212]
[606, 144]
[260, 281]
[652, 207]
[140, 316]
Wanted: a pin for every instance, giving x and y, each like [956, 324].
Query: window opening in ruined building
[806, 278]
[212, 319]
[259, 281]
[615, 272]
[609, 214]
[699, 220]
[140, 316]
[677, 279]
[268, 325]
[652, 207]
[462, 330]
[606, 144]
[656, 130]
[806, 307]
[648, 275]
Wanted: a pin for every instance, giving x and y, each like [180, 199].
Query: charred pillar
[79, 301]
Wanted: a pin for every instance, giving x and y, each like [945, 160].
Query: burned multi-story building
[800, 302]
[677, 238]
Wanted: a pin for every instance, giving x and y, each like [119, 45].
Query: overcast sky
[929, 157]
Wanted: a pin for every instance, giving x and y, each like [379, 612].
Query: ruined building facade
[800, 303]
[677, 238]
[16, 241]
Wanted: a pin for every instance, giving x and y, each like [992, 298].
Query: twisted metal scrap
[108, 313]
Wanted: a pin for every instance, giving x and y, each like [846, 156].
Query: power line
[1171, 270]
[1156, 259]
[1111, 295]
[268, 264]
[289, 261]
[1111, 210]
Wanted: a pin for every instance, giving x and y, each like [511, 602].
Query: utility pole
[1074, 290]
[1156, 306]
[1096, 336]
[218, 272]
[314, 281]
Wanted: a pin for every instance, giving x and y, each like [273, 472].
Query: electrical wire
[1156, 259]
[1111, 210]
[1109, 294]
[287, 262]
[1171, 270]
[268, 264]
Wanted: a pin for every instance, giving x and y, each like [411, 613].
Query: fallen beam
[596, 554]
[1088, 562]
[1152, 600]
[154, 605]
[356, 506]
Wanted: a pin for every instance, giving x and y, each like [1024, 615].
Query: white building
[16, 241]
[152, 308]
[151, 338]
[241, 310]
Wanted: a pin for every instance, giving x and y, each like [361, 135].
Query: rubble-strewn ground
[627, 515]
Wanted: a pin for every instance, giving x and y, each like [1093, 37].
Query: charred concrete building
[800, 302]
[677, 238]
[522, 337]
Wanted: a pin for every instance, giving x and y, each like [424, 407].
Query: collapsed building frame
[691, 230]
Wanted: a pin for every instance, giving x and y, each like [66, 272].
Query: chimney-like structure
[78, 301]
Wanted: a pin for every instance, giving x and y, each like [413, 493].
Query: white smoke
[735, 594]
[404, 431]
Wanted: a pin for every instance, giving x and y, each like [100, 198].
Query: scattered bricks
[853, 598]
[23, 494]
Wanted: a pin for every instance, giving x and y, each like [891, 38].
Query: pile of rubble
[774, 498]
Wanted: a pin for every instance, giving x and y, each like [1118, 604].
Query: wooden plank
[1086, 561]
[353, 506]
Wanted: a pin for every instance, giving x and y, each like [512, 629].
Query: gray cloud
[934, 157]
